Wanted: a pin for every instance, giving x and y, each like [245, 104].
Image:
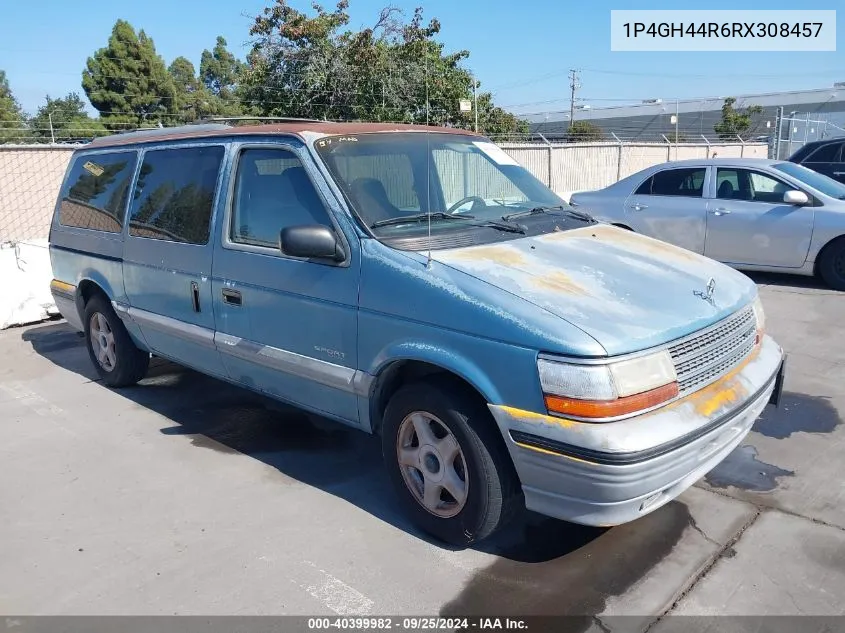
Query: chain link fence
[31, 175]
[796, 129]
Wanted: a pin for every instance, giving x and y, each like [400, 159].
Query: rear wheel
[832, 264]
[447, 462]
[116, 358]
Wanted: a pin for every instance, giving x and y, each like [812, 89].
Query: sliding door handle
[195, 296]
[232, 297]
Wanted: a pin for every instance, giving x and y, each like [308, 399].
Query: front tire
[116, 358]
[447, 462]
[832, 264]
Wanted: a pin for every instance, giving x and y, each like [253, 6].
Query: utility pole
[676, 128]
[475, 101]
[573, 86]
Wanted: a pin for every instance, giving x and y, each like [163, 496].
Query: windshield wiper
[502, 226]
[420, 217]
[578, 215]
[440, 215]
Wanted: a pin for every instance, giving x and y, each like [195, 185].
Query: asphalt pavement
[185, 495]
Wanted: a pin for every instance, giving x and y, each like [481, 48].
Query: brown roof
[294, 129]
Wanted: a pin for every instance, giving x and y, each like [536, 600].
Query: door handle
[839, 173]
[232, 297]
[721, 211]
[195, 296]
[639, 207]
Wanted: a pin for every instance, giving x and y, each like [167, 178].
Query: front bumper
[613, 472]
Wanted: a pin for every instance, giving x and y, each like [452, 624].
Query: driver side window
[272, 192]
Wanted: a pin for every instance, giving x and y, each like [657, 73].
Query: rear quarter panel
[78, 255]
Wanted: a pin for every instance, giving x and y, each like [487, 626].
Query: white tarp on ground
[25, 275]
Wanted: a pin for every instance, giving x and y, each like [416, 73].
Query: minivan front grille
[706, 356]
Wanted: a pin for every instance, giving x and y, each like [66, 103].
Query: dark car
[826, 157]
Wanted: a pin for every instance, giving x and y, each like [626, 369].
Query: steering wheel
[463, 201]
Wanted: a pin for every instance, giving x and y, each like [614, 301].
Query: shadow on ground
[798, 413]
[542, 565]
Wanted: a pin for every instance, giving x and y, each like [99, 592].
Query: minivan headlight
[760, 317]
[610, 389]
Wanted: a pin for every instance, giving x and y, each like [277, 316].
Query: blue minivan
[417, 283]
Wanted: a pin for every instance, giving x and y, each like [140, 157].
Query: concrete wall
[30, 176]
[585, 166]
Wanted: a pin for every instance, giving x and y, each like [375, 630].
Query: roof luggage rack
[160, 131]
[274, 119]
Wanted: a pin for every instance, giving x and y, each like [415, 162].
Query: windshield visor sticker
[499, 156]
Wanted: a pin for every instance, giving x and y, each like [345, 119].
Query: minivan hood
[627, 291]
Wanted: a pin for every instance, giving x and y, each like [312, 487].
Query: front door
[670, 206]
[168, 251]
[286, 326]
[748, 222]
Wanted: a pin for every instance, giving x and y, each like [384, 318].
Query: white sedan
[752, 214]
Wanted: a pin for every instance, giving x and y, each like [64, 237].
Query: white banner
[723, 30]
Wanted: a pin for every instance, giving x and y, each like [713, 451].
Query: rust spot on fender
[530, 416]
[559, 282]
[498, 254]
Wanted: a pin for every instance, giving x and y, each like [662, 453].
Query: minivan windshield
[827, 185]
[398, 182]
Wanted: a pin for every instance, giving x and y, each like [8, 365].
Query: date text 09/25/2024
[415, 624]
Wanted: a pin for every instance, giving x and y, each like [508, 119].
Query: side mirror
[798, 198]
[311, 241]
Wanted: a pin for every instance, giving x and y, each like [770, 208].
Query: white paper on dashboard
[495, 152]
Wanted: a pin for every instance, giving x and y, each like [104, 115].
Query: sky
[520, 51]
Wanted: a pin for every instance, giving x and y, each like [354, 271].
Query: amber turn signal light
[611, 408]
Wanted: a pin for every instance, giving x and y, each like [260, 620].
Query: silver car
[752, 214]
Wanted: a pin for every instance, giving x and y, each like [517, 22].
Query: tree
[127, 81]
[184, 76]
[313, 66]
[583, 132]
[70, 121]
[737, 122]
[12, 121]
[220, 71]
[192, 101]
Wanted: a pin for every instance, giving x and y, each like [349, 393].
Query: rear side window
[825, 154]
[174, 194]
[96, 191]
[687, 182]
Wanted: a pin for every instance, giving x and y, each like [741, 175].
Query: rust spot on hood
[559, 282]
[614, 235]
[499, 254]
